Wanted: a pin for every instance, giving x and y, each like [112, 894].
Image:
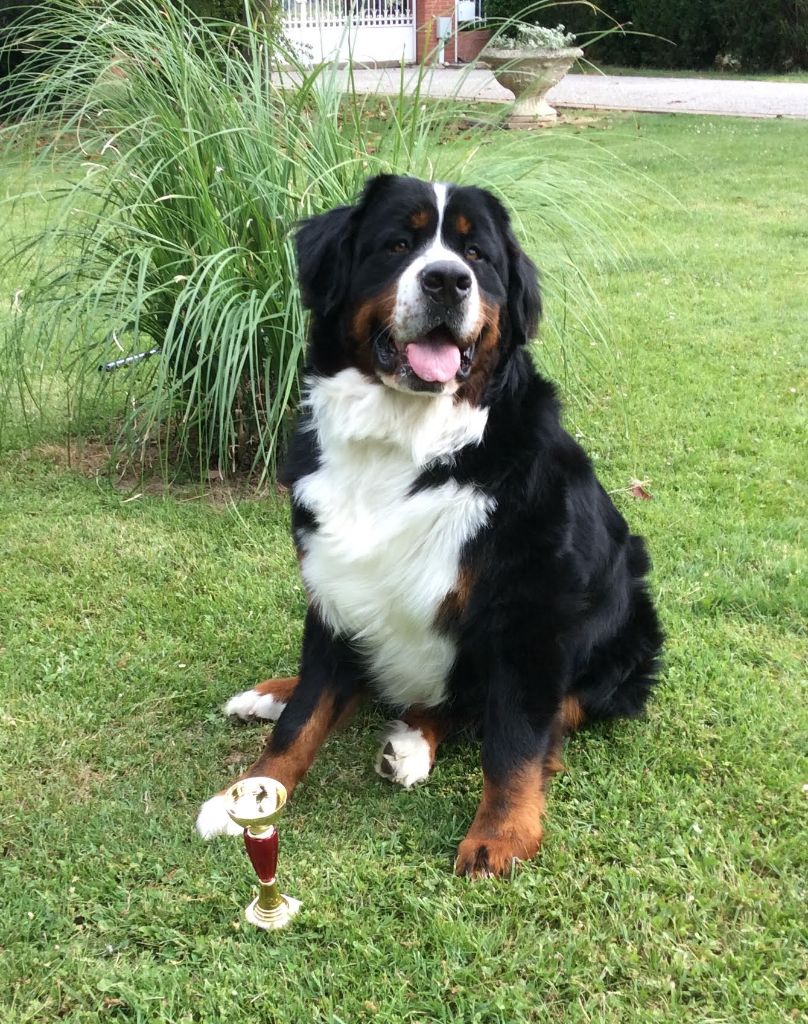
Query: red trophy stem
[263, 852]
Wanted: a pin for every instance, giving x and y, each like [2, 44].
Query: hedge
[223, 10]
[764, 35]
[10, 10]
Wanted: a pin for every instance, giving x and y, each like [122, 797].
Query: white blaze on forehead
[437, 250]
[441, 191]
[411, 314]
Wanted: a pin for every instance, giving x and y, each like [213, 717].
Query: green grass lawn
[671, 884]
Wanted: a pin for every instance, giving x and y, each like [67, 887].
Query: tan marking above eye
[419, 219]
[463, 224]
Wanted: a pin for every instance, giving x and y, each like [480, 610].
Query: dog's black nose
[446, 283]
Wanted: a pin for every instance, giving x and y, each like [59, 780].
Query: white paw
[404, 755]
[213, 819]
[252, 704]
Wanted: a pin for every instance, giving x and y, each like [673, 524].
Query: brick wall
[469, 43]
[425, 13]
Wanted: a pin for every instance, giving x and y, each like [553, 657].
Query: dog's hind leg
[409, 744]
[568, 719]
[264, 700]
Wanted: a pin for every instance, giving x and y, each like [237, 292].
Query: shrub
[11, 54]
[768, 34]
[534, 37]
[222, 10]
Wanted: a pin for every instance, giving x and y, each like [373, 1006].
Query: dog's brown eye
[402, 245]
[473, 253]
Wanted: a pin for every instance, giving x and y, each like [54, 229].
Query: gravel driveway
[682, 95]
[612, 92]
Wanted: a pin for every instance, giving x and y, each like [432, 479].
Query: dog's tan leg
[287, 759]
[329, 689]
[507, 826]
[288, 753]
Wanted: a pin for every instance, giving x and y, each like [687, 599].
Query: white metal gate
[362, 30]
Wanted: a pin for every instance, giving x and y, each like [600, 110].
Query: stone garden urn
[530, 74]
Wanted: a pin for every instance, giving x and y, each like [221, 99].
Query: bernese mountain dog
[464, 567]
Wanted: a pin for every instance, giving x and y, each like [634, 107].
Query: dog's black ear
[524, 297]
[325, 249]
[324, 246]
[377, 186]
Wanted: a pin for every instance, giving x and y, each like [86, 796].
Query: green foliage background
[764, 35]
[227, 10]
[10, 56]
[11, 10]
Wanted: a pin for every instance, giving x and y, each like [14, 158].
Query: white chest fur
[381, 559]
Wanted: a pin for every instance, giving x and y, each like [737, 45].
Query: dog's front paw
[492, 857]
[213, 819]
[254, 704]
[405, 756]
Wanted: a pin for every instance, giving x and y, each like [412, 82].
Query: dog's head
[420, 285]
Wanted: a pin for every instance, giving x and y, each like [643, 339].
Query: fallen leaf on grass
[637, 490]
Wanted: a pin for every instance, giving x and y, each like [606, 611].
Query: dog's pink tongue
[433, 361]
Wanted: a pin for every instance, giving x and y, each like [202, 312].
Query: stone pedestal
[530, 75]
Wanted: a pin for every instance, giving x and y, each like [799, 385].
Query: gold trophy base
[270, 910]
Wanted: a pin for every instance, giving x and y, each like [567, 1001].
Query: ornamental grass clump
[189, 151]
[176, 230]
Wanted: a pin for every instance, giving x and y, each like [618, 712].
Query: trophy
[255, 804]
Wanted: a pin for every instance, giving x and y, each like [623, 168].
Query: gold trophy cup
[255, 804]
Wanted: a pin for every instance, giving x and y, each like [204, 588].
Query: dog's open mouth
[434, 358]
